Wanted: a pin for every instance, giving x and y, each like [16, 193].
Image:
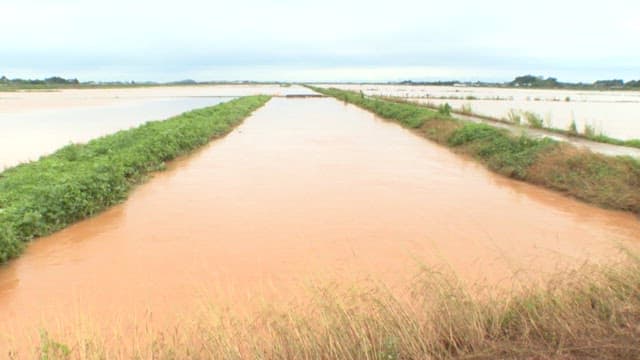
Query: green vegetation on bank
[611, 182]
[533, 120]
[589, 313]
[80, 180]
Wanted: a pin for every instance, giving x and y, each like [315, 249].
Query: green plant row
[609, 182]
[80, 180]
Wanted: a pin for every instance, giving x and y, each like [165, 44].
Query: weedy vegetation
[466, 109]
[592, 312]
[573, 127]
[589, 131]
[445, 109]
[534, 120]
[514, 117]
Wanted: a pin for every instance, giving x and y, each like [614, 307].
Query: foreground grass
[592, 312]
[81, 180]
[610, 182]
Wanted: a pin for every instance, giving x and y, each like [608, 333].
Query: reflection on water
[614, 113]
[302, 187]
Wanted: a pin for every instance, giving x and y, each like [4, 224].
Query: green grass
[610, 182]
[81, 180]
[514, 117]
[533, 120]
[407, 114]
[508, 155]
[573, 128]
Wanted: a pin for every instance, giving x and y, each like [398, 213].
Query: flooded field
[33, 124]
[613, 113]
[303, 187]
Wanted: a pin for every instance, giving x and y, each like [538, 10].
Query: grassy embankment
[590, 313]
[81, 180]
[532, 120]
[610, 182]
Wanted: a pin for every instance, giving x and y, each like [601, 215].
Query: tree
[535, 81]
[632, 84]
[609, 83]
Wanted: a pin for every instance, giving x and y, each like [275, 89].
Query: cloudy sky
[328, 40]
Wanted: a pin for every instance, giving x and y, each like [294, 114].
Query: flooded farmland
[302, 187]
[37, 123]
[613, 113]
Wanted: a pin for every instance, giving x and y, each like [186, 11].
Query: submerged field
[612, 113]
[38, 123]
[314, 229]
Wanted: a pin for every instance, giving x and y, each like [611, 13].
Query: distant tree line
[535, 81]
[58, 82]
[437, 83]
[531, 81]
[541, 82]
[55, 80]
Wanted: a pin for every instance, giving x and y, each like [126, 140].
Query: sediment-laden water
[303, 187]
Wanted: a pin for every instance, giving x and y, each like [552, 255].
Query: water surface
[302, 187]
[33, 124]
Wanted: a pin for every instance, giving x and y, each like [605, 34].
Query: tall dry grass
[592, 312]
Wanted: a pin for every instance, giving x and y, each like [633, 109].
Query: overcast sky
[327, 40]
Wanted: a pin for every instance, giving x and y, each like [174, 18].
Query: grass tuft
[534, 120]
[592, 312]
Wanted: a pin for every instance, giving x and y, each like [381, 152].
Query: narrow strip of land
[595, 146]
[599, 144]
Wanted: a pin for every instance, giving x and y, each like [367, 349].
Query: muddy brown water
[302, 187]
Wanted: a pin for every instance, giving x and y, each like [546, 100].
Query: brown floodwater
[303, 187]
